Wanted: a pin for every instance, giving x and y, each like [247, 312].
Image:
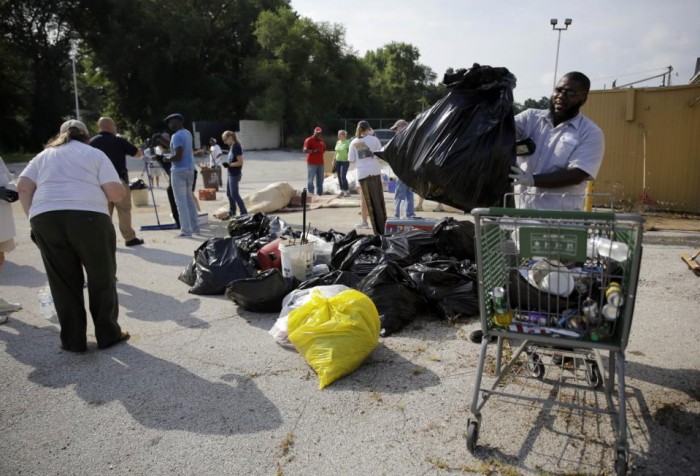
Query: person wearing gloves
[568, 150]
[182, 174]
[369, 174]
[65, 192]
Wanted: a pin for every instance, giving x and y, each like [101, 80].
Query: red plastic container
[269, 256]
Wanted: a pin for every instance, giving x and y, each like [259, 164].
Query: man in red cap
[314, 148]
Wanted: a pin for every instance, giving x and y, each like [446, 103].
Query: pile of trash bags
[459, 152]
[406, 275]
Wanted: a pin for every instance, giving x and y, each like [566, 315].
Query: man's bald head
[106, 124]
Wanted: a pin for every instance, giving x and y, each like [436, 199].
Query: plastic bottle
[402, 209]
[502, 315]
[606, 248]
[46, 306]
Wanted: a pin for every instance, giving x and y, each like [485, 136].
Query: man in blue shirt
[182, 174]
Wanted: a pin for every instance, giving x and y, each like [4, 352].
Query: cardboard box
[397, 225]
[207, 194]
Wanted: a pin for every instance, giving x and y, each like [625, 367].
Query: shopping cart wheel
[593, 377]
[472, 434]
[621, 464]
[535, 366]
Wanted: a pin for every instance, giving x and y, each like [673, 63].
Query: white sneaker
[7, 306]
[362, 225]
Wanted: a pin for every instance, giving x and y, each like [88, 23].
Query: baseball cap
[176, 115]
[318, 130]
[73, 124]
[399, 123]
[364, 125]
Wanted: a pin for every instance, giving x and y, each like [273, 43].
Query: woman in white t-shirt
[369, 174]
[216, 157]
[64, 191]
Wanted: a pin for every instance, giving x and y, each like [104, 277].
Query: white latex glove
[520, 177]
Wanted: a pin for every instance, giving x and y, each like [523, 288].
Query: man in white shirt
[215, 158]
[569, 150]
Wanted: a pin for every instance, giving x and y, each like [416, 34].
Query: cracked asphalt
[201, 387]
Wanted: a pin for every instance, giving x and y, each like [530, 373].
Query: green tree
[542, 103]
[304, 71]
[34, 71]
[399, 83]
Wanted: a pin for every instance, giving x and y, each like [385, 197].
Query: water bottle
[402, 209]
[46, 306]
[606, 248]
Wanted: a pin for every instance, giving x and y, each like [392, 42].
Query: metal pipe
[556, 62]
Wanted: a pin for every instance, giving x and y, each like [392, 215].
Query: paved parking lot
[201, 387]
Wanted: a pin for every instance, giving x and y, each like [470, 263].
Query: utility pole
[554, 22]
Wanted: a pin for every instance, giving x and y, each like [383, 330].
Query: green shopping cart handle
[555, 214]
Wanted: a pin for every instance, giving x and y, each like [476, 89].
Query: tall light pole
[73, 54]
[554, 22]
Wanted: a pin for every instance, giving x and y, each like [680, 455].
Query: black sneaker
[134, 242]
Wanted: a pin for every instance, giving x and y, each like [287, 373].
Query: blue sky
[615, 39]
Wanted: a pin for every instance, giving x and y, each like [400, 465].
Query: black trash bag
[455, 238]
[261, 293]
[460, 151]
[331, 236]
[258, 224]
[217, 263]
[408, 246]
[189, 274]
[357, 254]
[396, 297]
[137, 184]
[448, 287]
[334, 277]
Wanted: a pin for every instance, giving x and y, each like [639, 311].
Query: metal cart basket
[560, 287]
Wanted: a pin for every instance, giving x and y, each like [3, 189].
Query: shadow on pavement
[155, 392]
[146, 305]
[386, 371]
[158, 255]
[23, 275]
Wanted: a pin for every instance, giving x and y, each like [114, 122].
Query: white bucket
[297, 260]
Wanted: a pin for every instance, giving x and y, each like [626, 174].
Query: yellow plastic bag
[335, 335]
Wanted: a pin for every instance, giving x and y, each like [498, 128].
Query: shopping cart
[560, 287]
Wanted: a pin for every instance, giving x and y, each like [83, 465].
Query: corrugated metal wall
[664, 122]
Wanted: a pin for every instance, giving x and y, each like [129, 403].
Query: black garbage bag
[396, 297]
[357, 254]
[459, 151]
[455, 238]
[189, 274]
[331, 236]
[449, 286]
[407, 247]
[334, 277]
[217, 263]
[261, 293]
[137, 184]
[258, 224]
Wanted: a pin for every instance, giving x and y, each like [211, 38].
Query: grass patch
[287, 443]
[17, 157]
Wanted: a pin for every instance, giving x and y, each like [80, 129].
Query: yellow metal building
[652, 145]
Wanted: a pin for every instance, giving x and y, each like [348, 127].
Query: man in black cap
[117, 148]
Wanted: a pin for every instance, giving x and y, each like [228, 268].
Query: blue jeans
[182, 182]
[315, 171]
[342, 167]
[234, 196]
[403, 192]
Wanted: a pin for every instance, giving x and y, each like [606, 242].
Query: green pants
[71, 240]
